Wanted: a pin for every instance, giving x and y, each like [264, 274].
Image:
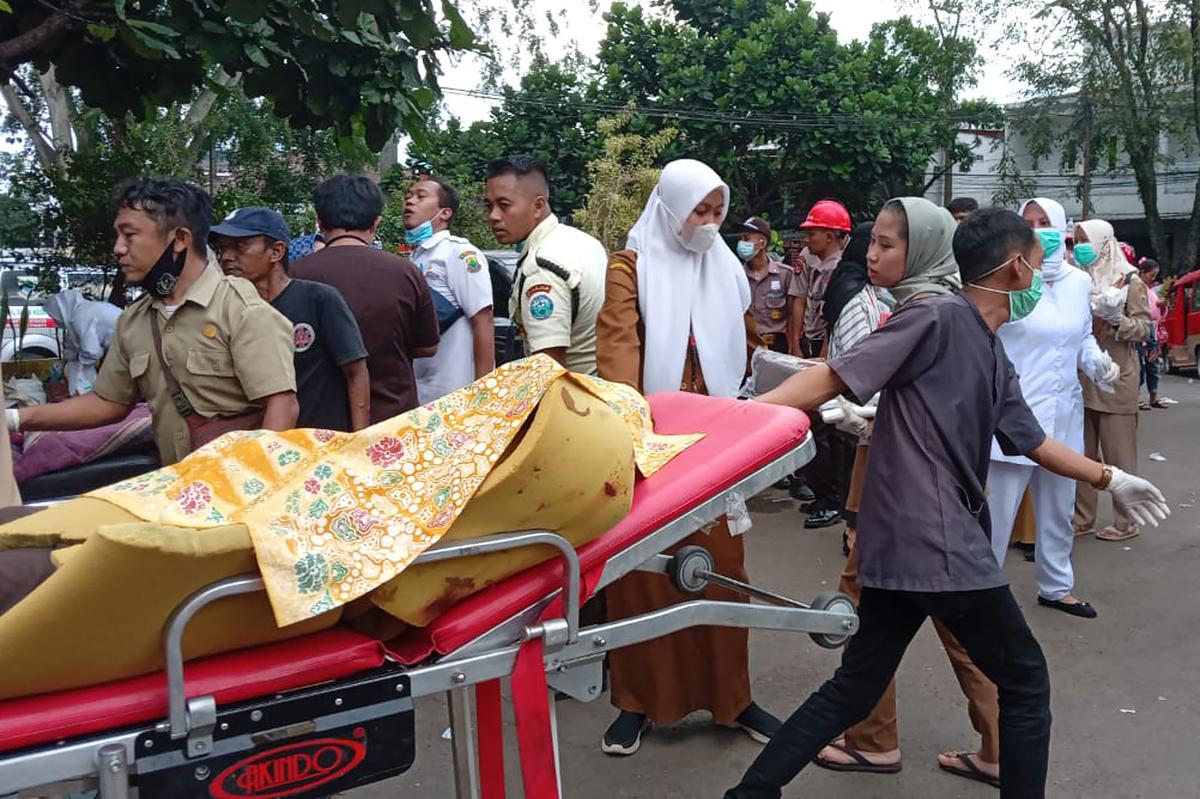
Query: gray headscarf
[929, 266]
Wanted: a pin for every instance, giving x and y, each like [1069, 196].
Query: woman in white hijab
[1121, 322]
[1049, 348]
[674, 318]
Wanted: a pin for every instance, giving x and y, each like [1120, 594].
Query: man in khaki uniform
[229, 351]
[559, 285]
[773, 287]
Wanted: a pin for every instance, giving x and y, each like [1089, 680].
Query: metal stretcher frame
[573, 657]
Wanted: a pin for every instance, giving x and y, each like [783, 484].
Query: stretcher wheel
[838, 603]
[686, 566]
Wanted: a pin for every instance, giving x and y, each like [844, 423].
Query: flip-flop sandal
[860, 765]
[1159, 404]
[969, 771]
[1082, 531]
[1113, 534]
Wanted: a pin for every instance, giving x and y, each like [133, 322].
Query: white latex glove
[1109, 305]
[845, 416]
[1139, 498]
[13, 417]
[1106, 374]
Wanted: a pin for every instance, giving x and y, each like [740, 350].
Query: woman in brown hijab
[674, 318]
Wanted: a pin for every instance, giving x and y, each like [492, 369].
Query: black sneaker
[758, 723]
[624, 736]
[822, 518]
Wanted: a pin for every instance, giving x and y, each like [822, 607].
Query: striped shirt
[857, 320]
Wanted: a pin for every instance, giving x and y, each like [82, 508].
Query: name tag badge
[776, 285]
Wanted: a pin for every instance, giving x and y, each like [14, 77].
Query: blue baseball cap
[253, 221]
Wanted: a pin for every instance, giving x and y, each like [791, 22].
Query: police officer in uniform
[460, 285]
[228, 352]
[773, 287]
[559, 286]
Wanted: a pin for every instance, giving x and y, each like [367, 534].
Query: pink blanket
[49, 452]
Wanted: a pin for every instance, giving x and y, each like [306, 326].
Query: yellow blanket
[335, 515]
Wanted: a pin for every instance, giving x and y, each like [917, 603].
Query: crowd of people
[972, 356]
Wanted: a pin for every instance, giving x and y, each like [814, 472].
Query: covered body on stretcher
[331, 709]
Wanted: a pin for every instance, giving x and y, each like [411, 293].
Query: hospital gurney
[333, 710]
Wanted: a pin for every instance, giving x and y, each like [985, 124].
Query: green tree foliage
[365, 67]
[260, 160]
[763, 91]
[1133, 77]
[621, 180]
[547, 116]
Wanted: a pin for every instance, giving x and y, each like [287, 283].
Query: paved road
[1141, 655]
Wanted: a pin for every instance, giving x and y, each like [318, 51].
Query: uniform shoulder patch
[540, 288]
[472, 260]
[541, 306]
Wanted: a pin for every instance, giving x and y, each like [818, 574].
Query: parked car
[40, 339]
[1183, 324]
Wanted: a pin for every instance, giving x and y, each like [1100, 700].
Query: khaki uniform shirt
[1121, 342]
[225, 345]
[770, 296]
[558, 291]
[813, 280]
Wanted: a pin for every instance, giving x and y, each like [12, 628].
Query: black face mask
[161, 278]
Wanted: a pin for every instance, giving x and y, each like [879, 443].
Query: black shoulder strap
[565, 277]
[178, 398]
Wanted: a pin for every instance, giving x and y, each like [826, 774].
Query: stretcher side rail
[645, 550]
[195, 718]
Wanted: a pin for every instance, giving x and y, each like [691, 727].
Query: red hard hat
[828, 214]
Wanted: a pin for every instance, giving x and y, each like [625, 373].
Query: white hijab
[681, 291]
[1053, 266]
[1112, 264]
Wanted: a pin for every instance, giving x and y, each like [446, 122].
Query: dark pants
[1149, 356]
[828, 473]
[990, 627]
[811, 347]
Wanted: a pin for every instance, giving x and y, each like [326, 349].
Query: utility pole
[1086, 185]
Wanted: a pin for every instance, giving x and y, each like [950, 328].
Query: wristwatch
[1105, 478]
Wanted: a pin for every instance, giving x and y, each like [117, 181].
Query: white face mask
[699, 238]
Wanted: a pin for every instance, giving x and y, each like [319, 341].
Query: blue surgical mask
[1051, 239]
[420, 234]
[1085, 253]
[746, 250]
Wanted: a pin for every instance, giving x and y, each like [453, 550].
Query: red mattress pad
[741, 437]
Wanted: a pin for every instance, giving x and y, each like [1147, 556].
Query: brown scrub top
[947, 388]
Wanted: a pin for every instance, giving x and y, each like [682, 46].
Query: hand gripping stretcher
[326, 712]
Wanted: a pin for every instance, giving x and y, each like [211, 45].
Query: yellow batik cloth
[335, 515]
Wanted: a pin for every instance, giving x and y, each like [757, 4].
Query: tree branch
[20, 48]
[48, 157]
[200, 109]
[59, 107]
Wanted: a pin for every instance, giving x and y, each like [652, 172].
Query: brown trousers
[878, 732]
[1025, 525]
[700, 668]
[1111, 438]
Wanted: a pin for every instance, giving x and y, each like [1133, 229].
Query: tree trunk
[42, 147]
[59, 107]
[1147, 184]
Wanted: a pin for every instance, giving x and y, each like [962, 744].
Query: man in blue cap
[332, 383]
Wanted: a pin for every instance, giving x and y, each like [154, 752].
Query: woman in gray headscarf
[911, 255]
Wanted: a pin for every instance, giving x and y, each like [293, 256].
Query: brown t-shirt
[395, 312]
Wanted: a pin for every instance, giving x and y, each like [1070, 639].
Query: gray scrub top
[947, 388]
